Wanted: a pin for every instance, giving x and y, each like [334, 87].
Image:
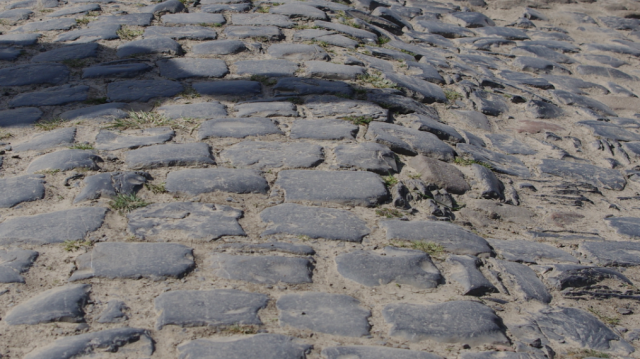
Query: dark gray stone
[257, 19]
[466, 322]
[90, 343]
[625, 226]
[366, 156]
[408, 141]
[332, 107]
[139, 19]
[65, 160]
[575, 85]
[389, 54]
[526, 79]
[70, 52]
[453, 238]
[197, 181]
[579, 327]
[16, 15]
[500, 163]
[193, 19]
[604, 59]
[299, 11]
[170, 6]
[539, 66]
[299, 249]
[366, 352]
[60, 304]
[542, 52]
[263, 269]
[619, 90]
[261, 155]
[113, 313]
[474, 119]
[185, 221]
[571, 99]
[561, 46]
[134, 260]
[414, 87]
[607, 72]
[154, 45]
[402, 266]
[270, 68]
[213, 308]
[610, 131]
[182, 33]
[265, 346]
[203, 110]
[52, 227]
[361, 35]
[10, 53]
[110, 185]
[217, 8]
[125, 70]
[428, 124]
[490, 186]
[297, 52]
[15, 262]
[335, 314]
[343, 187]
[439, 28]
[530, 252]
[465, 272]
[564, 276]
[51, 96]
[612, 253]
[523, 280]
[510, 145]
[270, 33]
[47, 25]
[266, 109]
[142, 90]
[111, 141]
[323, 129]
[470, 19]
[489, 103]
[15, 190]
[97, 32]
[239, 88]
[440, 174]
[541, 109]
[182, 68]
[425, 72]
[237, 128]
[51, 74]
[47, 4]
[313, 222]
[295, 86]
[99, 113]
[584, 172]
[330, 71]
[19, 39]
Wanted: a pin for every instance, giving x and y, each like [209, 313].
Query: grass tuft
[389, 213]
[127, 203]
[239, 329]
[139, 120]
[72, 246]
[452, 95]
[128, 33]
[49, 125]
[264, 80]
[376, 80]
[48, 172]
[5, 135]
[85, 20]
[96, 101]
[74, 63]
[604, 318]
[189, 93]
[389, 180]
[467, 162]
[586, 353]
[358, 120]
[82, 146]
[156, 188]
[204, 24]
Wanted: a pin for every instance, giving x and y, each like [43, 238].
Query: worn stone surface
[113, 313]
[266, 109]
[465, 272]
[61, 304]
[15, 262]
[189, 154]
[107, 140]
[238, 128]
[47, 140]
[142, 90]
[366, 156]
[596, 176]
[498, 162]
[20, 189]
[267, 346]
[373, 352]
[523, 280]
[407, 141]
[204, 110]
[197, 181]
[323, 129]
[440, 174]
[110, 185]
[262, 155]
[530, 252]
[263, 269]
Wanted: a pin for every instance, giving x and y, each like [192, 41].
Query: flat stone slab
[142, 90]
[464, 271]
[330, 71]
[530, 252]
[366, 156]
[238, 88]
[100, 31]
[610, 131]
[576, 276]
[20, 117]
[111, 141]
[75, 10]
[193, 19]
[451, 322]
[270, 33]
[90, 343]
[154, 45]
[370, 352]
[270, 68]
[344, 187]
[453, 238]
[335, 314]
[296, 86]
[70, 52]
[571, 99]
[297, 52]
[261, 155]
[208, 180]
[323, 129]
[113, 313]
[65, 160]
[474, 119]
[428, 124]
[181, 68]
[185, 154]
[139, 19]
[398, 265]
[449, 31]
[264, 346]
[52, 96]
[213, 308]
[170, 6]
[299, 11]
[361, 35]
[99, 113]
[44, 141]
[60, 304]
[237, 128]
[134, 260]
[280, 21]
[181, 33]
[52, 227]
[510, 145]
[263, 269]
[408, 141]
[126, 69]
[184, 221]
[15, 190]
[110, 184]
[499, 162]
[332, 107]
[15, 262]
[314, 222]
[266, 109]
[440, 174]
[625, 226]
[19, 39]
[523, 282]
[47, 25]
[203, 110]
[299, 249]
[593, 175]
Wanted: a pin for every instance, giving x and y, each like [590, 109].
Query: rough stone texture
[596, 176]
[299, 249]
[440, 174]
[15, 262]
[47, 140]
[266, 109]
[523, 280]
[188, 154]
[530, 252]
[195, 308]
[397, 265]
[186, 68]
[52, 227]
[110, 141]
[366, 156]
[490, 186]
[335, 314]
[263, 269]
[113, 313]
[15, 190]
[262, 155]
[111, 185]
[61, 304]
[465, 272]
[452, 322]
[20, 117]
[500, 163]
[347, 188]
[197, 181]
[142, 90]
[314, 222]
[323, 129]
[134, 260]
[99, 113]
[370, 352]
[613, 253]
[453, 238]
[52, 96]
[408, 141]
[238, 128]
[204, 110]
[265, 346]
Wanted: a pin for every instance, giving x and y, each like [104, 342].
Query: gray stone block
[170, 6]
[142, 90]
[111, 141]
[198, 181]
[60, 304]
[99, 113]
[610, 131]
[20, 117]
[181, 68]
[185, 154]
[15, 262]
[408, 141]
[70, 52]
[564, 276]
[258, 19]
[330, 71]
[65, 160]
[233, 88]
[297, 52]
[154, 45]
[110, 184]
[323, 129]
[465, 272]
[193, 19]
[299, 249]
[52, 96]
[530, 252]
[264, 346]
[366, 156]
[237, 128]
[97, 32]
[181, 33]
[332, 107]
[270, 33]
[47, 25]
[299, 11]
[271, 68]
[261, 155]
[442, 131]
[15, 190]
[359, 34]
[203, 110]
[263, 269]
[490, 186]
[295, 86]
[440, 174]
[19, 39]
[523, 280]
[367, 352]
[139, 19]
[266, 109]
[500, 163]
[123, 70]
[113, 313]
[593, 175]
[571, 99]
[44, 141]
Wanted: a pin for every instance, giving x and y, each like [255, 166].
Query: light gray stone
[366, 156]
[299, 249]
[237, 128]
[510, 145]
[270, 68]
[263, 269]
[370, 352]
[15, 190]
[207, 180]
[44, 141]
[65, 160]
[15, 262]
[60, 304]
[266, 109]
[295, 86]
[47, 25]
[323, 129]
[262, 155]
[299, 11]
[440, 174]
[126, 69]
[297, 52]
[111, 184]
[530, 252]
[110, 141]
[490, 186]
[193, 19]
[523, 280]
[465, 271]
[99, 113]
[258, 19]
[264, 346]
[113, 313]
[332, 107]
[103, 31]
[203, 110]
[270, 33]
[596, 176]
[500, 163]
[181, 33]
[330, 71]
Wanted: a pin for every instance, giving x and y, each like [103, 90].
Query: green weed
[389, 213]
[49, 125]
[604, 318]
[72, 246]
[264, 80]
[139, 120]
[358, 120]
[389, 180]
[156, 188]
[82, 146]
[376, 80]
[74, 63]
[452, 95]
[127, 203]
[467, 162]
[5, 135]
[96, 101]
[128, 33]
